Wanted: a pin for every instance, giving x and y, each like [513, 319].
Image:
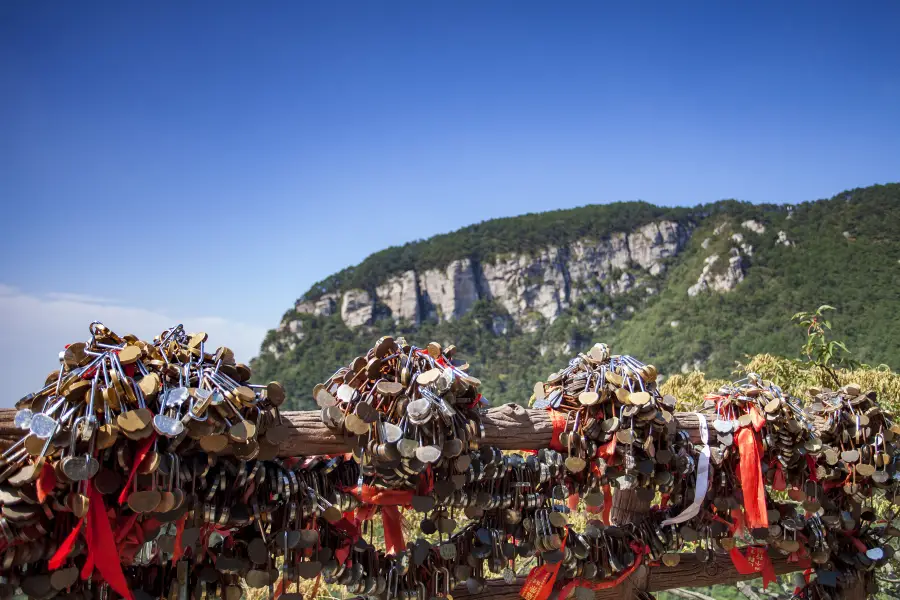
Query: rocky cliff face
[684, 289]
[544, 282]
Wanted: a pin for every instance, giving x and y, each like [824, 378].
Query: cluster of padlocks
[152, 469]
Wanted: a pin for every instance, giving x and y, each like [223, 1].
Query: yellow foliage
[795, 378]
[689, 389]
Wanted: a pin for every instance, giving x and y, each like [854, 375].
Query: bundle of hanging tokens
[151, 469]
[832, 454]
[135, 427]
[618, 428]
[411, 409]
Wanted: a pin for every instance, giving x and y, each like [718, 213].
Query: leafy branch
[820, 351]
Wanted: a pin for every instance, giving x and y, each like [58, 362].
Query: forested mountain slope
[683, 288]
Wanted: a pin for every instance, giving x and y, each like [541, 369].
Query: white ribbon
[702, 478]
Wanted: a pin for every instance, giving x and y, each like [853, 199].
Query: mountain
[682, 288]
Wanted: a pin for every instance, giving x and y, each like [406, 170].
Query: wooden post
[627, 507]
[854, 590]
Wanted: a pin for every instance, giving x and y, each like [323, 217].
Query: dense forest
[843, 251]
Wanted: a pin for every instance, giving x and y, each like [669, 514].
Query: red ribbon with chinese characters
[540, 581]
[756, 561]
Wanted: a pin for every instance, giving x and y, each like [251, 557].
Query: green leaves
[826, 354]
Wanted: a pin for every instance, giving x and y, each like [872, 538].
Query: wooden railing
[512, 427]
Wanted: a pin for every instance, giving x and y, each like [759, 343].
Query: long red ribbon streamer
[57, 560]
[813, 473]
[750, 472]
[139, 456]
[102, 545]
[393, 532]
[607, 504]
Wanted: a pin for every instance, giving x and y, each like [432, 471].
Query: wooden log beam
[689, 573]
[512, 427]
[508, 427]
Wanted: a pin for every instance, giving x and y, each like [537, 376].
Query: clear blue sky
[208, 162]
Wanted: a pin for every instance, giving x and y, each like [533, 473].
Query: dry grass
[689, 389]
[793, 377]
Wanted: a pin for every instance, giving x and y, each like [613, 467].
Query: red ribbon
[811, 463]
[779, 481]
[607, 452]
[46, 482]
[364, 513]
[351, 528]
[371, 494]
[179, 544]
[737, 516]
[426, 482]
[279, 589]
[388, 500]
[315, 591]
[62, 553]
[806, 575]
[749, 469]
[605, 585]
[757, 561]
[607, 504]
[750, 473]
[131, 535]
[139, 456]
[393, 531]
[88, 567]
[101, 546]
[540, 580]
[558, 420]
[125, 528]
[758, 419]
